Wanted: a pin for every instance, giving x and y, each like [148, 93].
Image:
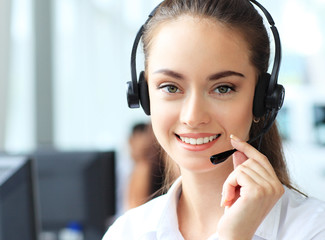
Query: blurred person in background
[147, 174]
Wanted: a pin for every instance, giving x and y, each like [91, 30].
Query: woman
[202, 63]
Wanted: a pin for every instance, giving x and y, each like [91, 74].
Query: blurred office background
[64, 65]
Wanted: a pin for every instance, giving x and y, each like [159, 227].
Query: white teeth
[198, 141]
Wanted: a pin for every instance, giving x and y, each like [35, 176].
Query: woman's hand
[249, 192]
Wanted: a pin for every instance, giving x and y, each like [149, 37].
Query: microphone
[221, 157]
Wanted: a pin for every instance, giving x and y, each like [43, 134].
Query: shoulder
[302, 216]
[138, 221]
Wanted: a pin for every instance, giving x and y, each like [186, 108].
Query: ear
[144, 94]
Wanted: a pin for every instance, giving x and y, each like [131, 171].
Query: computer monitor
[18, 214]
[76, 186]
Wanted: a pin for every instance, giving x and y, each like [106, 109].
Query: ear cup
[259, 103]
[144, 93]
[275, 101]
[132, 95]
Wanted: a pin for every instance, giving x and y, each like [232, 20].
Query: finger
[265, 178]
[257, 172]
[266, 172]
[250, 151]
[232, 185]
[245, 183]
[254, 170]
[238, 158]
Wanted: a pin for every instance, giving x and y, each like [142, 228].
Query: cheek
[242, 122]
[236, 117]
[163, 117]
[243, 118]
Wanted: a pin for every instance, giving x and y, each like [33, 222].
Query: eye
[223, 89]
[169, 88]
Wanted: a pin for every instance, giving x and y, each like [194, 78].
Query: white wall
[5, 14]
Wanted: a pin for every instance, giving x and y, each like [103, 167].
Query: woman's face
[201, 88]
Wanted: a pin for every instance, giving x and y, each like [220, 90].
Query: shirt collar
[168, 222]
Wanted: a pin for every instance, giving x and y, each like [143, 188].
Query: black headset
[269, 95]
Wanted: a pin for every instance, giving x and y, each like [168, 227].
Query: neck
[199, 206]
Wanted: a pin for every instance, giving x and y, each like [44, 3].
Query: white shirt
[294, 217]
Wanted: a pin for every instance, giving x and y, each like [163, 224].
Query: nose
[195, 111]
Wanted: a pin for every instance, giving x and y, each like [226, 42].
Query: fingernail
[223, 203]
[233, 137]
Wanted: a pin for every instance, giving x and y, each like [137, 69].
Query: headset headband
[277, 43]
[135, 104]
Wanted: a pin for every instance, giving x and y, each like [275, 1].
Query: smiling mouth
[198, 141]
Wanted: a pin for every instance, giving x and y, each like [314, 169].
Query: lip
[196, 148]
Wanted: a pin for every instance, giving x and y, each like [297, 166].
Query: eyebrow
[224, 74]
[215, 76]
[170, 73]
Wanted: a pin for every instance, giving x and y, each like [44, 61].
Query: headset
[268, 98]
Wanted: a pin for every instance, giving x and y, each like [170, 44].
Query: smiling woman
[205, 72]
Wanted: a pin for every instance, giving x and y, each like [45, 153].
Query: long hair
[239, 15]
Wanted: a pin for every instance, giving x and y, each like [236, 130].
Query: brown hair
[239, 15]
